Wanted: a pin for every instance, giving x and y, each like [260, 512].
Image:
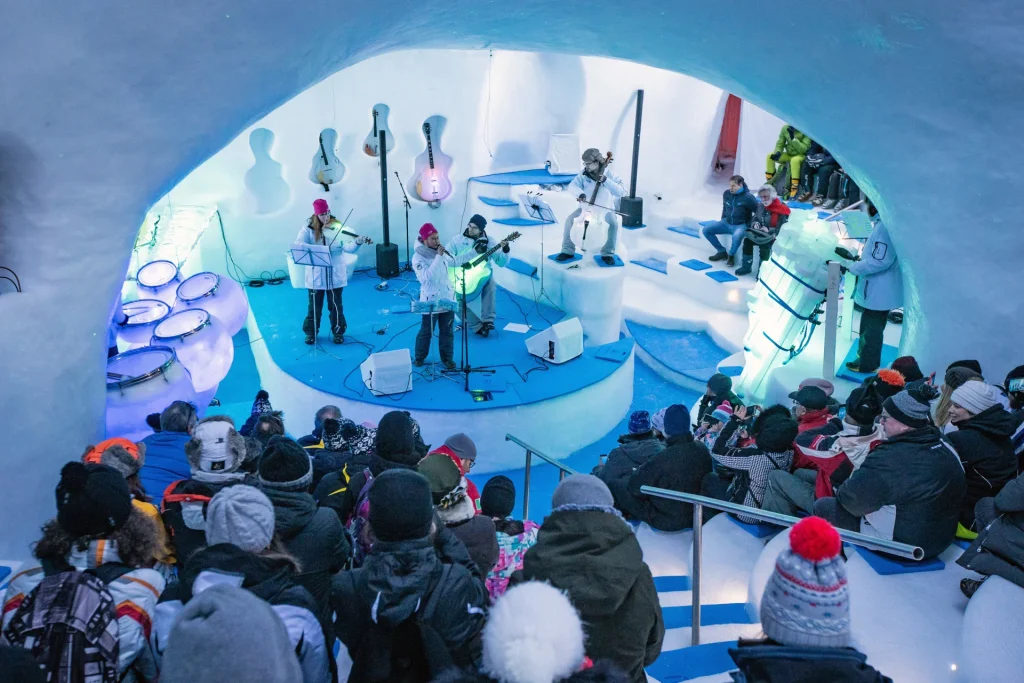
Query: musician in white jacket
[430, 263]
[607, 196]
[472, 243]
[326, 283]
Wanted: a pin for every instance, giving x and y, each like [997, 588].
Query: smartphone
[1015, 385]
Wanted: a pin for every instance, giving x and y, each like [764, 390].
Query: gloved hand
[776, 156]
[845, 253]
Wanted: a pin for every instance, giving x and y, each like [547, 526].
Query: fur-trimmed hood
[216, 450]
[463, 510]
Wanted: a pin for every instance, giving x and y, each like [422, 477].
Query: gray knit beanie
[912, 406]
[976, 396]
[228, 634]
[582, 490]
[240, 515]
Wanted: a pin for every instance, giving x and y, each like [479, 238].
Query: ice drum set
[179, 347]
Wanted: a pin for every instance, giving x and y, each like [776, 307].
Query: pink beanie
[426, 230]
[320, 206]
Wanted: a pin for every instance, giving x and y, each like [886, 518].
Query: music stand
[314, 256]
[537, 208]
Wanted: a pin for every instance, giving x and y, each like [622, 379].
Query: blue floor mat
[653, 264]
[731, 370]
[799, 205]
[494, 201]
[616, 352]
[533, 176]
[685, 230]
[672, 584]
[721, 276]
[522, 267]
[575, 258]
[618, 262]
[693, 354]
[521, 222]
[887, 566]
[710, 615]
[756, 530]
[693, 662]
[695, 264]
[889, 354]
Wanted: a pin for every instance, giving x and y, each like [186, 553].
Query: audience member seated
[983, 440]
[842, 192]
[406, 616]
[313, 536]
[240, 541]
[534, 635]
[457, 512]
[1014, 385]
[586, 549]
[153, 422]
[166, 461]
[712, 424]
[738, 207]
[461, 449]
[825, 457]
[741, 474]
[514, 536]
[96, 530]
[260, 407]
[267, 427]
[771, 215]
[909, 487]
[333, 453]
[956, 376]
[790, 149]
[810, 407]
[805, 615]
[226, 633]
[634, 449]
[682, 466]
[828, 388]
[325, 413]
[818, 167]
[999, 547]
[718, 391]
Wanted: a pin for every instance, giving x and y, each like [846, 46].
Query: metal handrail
[530, 452]
[871, 542]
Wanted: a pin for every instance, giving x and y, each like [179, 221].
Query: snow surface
[106, 106]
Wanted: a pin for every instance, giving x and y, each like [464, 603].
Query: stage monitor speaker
[387, 260]
[389, 372]
[633, 207]
[559, 343]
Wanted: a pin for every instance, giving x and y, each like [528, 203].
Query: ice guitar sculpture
[432, 183]
[371, 146]
[327, 168]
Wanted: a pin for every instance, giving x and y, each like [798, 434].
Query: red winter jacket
[471, 490]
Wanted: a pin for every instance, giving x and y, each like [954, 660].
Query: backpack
[740, 485]
[183, 510]
[359, 524]
[69, 623]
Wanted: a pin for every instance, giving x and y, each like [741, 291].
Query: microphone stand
[405, 201]
[466, 369]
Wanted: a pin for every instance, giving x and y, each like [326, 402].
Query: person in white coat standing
[607, 196]
[473, 242]
[879, 290]
[430, 263]
[326, 283]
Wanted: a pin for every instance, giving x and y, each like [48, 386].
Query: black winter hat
[478, 220]
[863, 405]
[972, 364]
[395, 440]
[777, 434]
[285, 466]
[720, 384]
[770, 413]
[498, 497]
[401, 506]
[811, 397]
[92, 500]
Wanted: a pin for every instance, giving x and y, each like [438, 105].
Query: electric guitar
[432, 182]
[327, 170]
[380, 123]
[477, 276]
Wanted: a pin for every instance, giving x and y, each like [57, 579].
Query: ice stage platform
[562, 406]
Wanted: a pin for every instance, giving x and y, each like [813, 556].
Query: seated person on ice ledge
[718, 391]
[738, 208]
[324, 229]
[431, 270]
[791, 148]
[909, 487]
[817, 170]
[473, 242]
[771, 215]
[634, 449]
[610, 188]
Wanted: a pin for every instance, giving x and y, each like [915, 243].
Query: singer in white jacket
[607, 196]
[430, 263]
[466, 247]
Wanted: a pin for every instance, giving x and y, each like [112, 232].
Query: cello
[581, 226]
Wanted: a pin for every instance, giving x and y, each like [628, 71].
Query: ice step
[693, 662]
[521, 222]
[495, 201]
[683, 357]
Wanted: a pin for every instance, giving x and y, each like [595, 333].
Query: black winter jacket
[593, 555]
[404, 615]
[999, 548]
[340, 490]
[632, 452]
[476, 532]
[708, 404]
[765, 661]
[984, 444]
[919, 474]
[316, 539]
[601, 672]
[738, 208]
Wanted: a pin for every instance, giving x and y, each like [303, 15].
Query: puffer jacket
[984, 444]
[795, 144]
[165, 464]
[315, 537]
[339, 491]
[766, 661]
[999, 547]
[908, 489]
[135, 594]
[767, 221]
[879, 278]
[593, 555]
[834, 456]
[432, 272]
[680, 467]
[633, 451]
[738, 208]
[268, 578]
[337, 275]
[514, 539]
[405, 616]
[475, 531]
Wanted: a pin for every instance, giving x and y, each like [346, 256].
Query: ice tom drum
[143, 381]
[202, 345]
[221, 297]
[158, 280]
[143, 317]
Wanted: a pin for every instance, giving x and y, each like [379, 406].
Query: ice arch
[106, 105]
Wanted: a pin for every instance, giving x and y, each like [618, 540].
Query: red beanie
[320, 206]
[426, 230]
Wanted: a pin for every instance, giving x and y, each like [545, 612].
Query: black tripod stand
[405, 200]
[466, 369]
